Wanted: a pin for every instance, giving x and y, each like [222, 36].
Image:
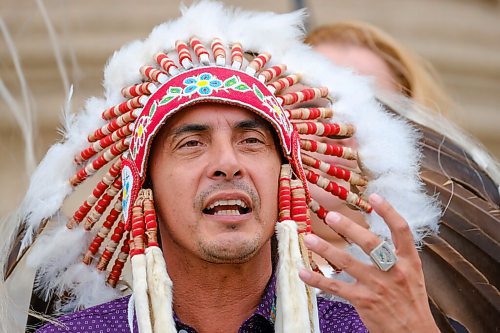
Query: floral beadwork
[278, 113]
[274, 107]
[203, 84]
[141, 130]
[235, 83]
[128, 181]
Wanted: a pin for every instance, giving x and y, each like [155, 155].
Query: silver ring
[383, 256]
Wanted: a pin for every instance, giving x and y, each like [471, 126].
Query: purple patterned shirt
[334, 317]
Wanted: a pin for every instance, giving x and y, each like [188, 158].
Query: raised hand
[387, 301]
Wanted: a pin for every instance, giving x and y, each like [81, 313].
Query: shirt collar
[267, 306]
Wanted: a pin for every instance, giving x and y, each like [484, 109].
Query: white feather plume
[58, 273]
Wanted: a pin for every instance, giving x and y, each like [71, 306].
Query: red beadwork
[303, 95]
[153, 74]
[338, 191]
[184, 54]
[326, 184]
[236, 55]
[332, 170]
[111, 246]
[114, 125]
[310, 113]
[285, 194]
[259, 62]
[299, 206]
[109, 154]
[145, 88]
[117, 269]
[103, 203]
[167, 64]
[150, 218]
[323, 129]
[128, 105]
[218, 49]
[273, 72]
[198, 47]
[102, 233]
[138, 227]
[321, 212]
[284, 82]
[103, 143]
[108, 178]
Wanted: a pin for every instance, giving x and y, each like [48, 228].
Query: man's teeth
[227, 212]
[236, 202]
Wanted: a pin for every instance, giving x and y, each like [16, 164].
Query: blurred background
[53, 44]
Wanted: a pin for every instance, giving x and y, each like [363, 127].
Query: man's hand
[392, 301]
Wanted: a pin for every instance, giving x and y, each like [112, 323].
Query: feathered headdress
[215, 54]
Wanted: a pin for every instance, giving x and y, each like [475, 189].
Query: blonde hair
[415, 76]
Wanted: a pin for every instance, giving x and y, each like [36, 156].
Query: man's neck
[218, 297]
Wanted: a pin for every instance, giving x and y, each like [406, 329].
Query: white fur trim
[140, 286]
[131, 313]
[292, 313]
[160, 291]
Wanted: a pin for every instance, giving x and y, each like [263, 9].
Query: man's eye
[252, 140]
[191, 143]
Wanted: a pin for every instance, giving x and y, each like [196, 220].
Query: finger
[363, 237]
[400, 230]
[330, 286]
[337, 257]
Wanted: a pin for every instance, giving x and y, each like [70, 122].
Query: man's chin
[229, 251]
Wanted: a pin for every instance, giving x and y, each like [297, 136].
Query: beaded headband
[117, 220]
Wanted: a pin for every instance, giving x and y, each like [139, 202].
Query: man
[215, 140]
[220, 258]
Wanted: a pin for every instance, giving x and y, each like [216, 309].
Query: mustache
[239, 185]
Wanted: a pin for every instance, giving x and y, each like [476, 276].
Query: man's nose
[225, 163]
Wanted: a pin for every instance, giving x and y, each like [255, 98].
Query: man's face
[215, 171]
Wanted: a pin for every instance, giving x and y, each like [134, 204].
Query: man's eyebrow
[250, 124]
[188, 128]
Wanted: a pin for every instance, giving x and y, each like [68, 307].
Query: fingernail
[310, 240]
[304, 274]
[333, 217]
[376, 199]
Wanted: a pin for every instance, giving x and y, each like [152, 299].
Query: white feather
[59, 273]
[49, 184]
[160, 291]
[291, 301]
[46, 256]
[88, 286]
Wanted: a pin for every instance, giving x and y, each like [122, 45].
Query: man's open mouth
[227, 207]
